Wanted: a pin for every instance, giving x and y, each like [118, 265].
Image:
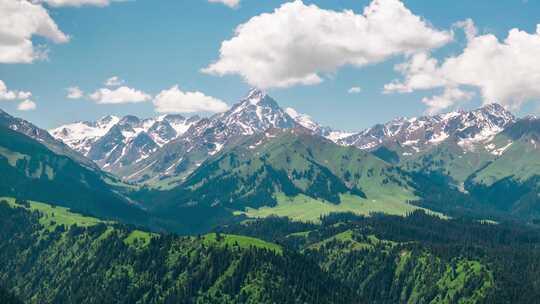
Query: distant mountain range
[257, 159]
[166, 149]
[114, 142]
[421, 133]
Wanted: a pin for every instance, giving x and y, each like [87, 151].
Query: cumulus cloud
[114, 81]
[297, 43]
[354, 90]
[507, 72]
[119, 95]
[74, 93]
[6, 94]
[26, 105]
[19, 22]
[229, 3]
[449, 97]
[174, 100]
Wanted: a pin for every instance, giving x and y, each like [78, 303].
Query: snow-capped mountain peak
[467, 128]
[255, 96]
[111, 141]
[81, 135]
[254, 113]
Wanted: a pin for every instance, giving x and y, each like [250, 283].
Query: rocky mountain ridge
[114, 142]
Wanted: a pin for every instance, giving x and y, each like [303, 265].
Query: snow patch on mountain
[81, 135]
[500, 151]
[307, 122]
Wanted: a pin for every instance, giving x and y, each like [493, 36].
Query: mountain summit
[253, 114]
[419, 133]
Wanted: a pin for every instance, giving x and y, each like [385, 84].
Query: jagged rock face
[162, 132]
[81, 136]
[255, 113]
[417, 134]
[114, 142]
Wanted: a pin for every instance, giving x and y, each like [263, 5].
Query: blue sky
[153, 45]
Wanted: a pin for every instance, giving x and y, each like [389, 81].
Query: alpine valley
[260, 204]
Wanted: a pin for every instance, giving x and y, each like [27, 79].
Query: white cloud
[26, 105]
[297, 43]
[74, 93]
[174, 100]
[119, 95]
[449, 97]
[23, 95]
[421, 72]
[114, 81]
[507, 72]
[354, 90]
[20, 21]
[6, 94]
[229, 3]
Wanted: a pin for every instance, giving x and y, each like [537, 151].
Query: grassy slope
[521, 161]
[449, 159]
[240, 241]
[51, 217]
[305, 208]
[357, 168]
[347, 238]
[303, 159]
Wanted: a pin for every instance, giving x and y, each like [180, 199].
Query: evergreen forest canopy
[51, 255]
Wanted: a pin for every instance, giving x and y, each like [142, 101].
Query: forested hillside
[51, 255]
[415, 259]
[43, 261]
[32, 171]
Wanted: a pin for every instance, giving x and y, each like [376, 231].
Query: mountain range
[140, 138]
[258, 159]
[114, 142]
[166, 149]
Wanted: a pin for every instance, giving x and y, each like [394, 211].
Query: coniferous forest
[344, 258]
